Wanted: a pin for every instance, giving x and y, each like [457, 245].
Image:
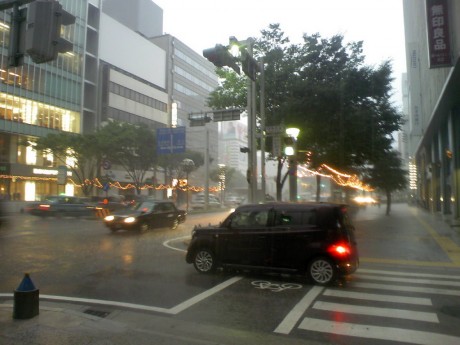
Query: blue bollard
[26, 299]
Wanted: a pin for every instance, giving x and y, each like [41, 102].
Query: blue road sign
[170, 140]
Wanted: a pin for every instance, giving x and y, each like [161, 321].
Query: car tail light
[44, 207]
[339, 249]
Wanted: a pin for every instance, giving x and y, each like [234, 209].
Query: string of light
[338, 177]
[341, 179]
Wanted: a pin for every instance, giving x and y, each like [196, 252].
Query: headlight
[130, 220]
[109, 218]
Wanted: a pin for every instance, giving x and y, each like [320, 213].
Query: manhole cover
[98, 313]
[452, 310]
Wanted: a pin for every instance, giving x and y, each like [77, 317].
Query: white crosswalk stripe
[377, 297]
[403, 296]
[377, 332]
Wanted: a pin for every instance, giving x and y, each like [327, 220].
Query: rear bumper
[348, 267]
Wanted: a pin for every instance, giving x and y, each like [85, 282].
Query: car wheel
[174, 224]
[204, 261]
[322, 271]
[143, 227]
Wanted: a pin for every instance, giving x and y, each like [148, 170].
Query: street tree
[131, 147]
[387, 175]
[79, 153]
[171, 163]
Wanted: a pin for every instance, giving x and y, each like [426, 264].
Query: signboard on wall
[439, 47]
[170, 140]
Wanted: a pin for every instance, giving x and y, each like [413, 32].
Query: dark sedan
[61, 206]
[146, 215]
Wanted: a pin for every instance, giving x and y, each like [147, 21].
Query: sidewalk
[67, 324]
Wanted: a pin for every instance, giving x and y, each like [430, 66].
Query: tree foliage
[79, 153]
[130, 147]
[388, 175]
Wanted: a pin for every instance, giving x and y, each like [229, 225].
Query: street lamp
[291, 151]
[187, 166]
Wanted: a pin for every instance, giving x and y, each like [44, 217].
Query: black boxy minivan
[316, 239]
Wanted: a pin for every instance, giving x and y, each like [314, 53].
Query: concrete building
[189, 77]
[432, 33]
[189, 80]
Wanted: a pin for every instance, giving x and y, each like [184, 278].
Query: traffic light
[43, 39]
[220, 57]
[249, 65]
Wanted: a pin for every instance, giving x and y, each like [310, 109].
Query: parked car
[110, 203]
[315, 239]
[233, 201]
[60, 206]
[146, 215]
[198, 202]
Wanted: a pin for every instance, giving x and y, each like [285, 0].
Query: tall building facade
[432, 33]
[116, 71]
[190, 78]
[36, 100]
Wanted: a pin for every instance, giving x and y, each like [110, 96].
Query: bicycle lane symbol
[274, 287]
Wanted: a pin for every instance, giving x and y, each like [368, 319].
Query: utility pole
[252, 144]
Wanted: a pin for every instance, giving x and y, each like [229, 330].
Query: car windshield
[145, 206]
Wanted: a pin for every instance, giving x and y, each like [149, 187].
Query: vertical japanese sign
[437, 13]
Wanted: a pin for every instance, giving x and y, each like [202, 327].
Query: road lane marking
[168, 245]
[291, 319]
[376, 311]
[379, 298]
[198, 298]
[174, 310]
[407, 289]
[377, 332]
[408, 274]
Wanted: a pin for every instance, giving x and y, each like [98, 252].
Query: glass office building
[37, 99]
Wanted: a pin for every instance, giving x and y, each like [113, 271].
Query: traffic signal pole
[220, 57]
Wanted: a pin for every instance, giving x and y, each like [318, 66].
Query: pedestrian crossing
[381, 305]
